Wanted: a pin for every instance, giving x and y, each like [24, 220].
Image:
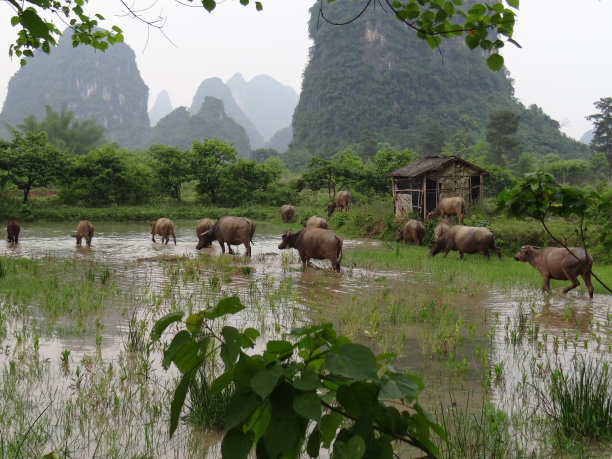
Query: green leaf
[399, 386]
[209, 5]
[495, 62]
[231, 346]
[160, 326]
[308, 405]
[309, 380]
[329, 425]
[14, 20]
[230, 305]
[263, 383]
[513, 3]
[353, 361]
[313, 444]
[281, 437]
[221, 383]
[358, 398]
[194, 321]
[259, 421]
[355, 447]
[433, 41]
[237, 444]
[34, 24]
[183, 352]
[240, 408]
[178, 400]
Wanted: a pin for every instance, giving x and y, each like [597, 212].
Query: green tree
[504, 147]
[261, 154]
[432, 20]
[65, 132]
[368, 145]
[30, 161]
[172, 168]
[209, 158]
[602, 122]
[107, 176]
[432, 140]
[343, 169]
[385, 161]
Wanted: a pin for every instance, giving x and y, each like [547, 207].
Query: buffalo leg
[546, 285]
[248, 249]
[223, 247]
[587, 281]
[573, 279]
[173, 237]
[153, 238]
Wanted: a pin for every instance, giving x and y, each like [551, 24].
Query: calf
[13, 228]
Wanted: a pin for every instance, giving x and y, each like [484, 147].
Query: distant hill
[179, 128]
[587, 136]
[104, 85]
[214, 87]
[268, 103]
[161, 107]
[375, 75]
[281, 139]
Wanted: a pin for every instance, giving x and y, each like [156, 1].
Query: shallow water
[129, 250]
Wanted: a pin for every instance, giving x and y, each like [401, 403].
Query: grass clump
[208, 409]
[582, 401]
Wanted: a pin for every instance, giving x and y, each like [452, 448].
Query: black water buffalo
[204, 225]
[231, 231]
[165, 228]
[316, 243]
[342, 200]
[84, 230]
[12, 229]
[558, 263]
[449, 206]
[287, 212]
[413, 231]
[315, 222]
[465, 239]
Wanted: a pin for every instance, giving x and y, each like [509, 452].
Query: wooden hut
[419, 185]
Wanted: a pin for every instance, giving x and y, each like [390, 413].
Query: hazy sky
[563, 65]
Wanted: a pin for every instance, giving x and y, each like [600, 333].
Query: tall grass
[581, 401]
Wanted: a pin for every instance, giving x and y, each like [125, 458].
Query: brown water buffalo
[465, 239]
[342, 200]
[231, 231]
[287, 212]
[413, 231]
[314, 243]
[315, 222]
[84, 230]
[165, 228]
[13, 228]
[204, 225]
[440, 229]
[449, 206]
[559, 263]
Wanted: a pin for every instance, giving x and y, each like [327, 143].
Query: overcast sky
[563, 66]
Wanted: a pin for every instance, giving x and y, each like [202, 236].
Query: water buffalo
[559, 263]
[287, 212]
[204, 225]
[13, 228]
[465, 239]
[84, 230]
[231, 231]
[165, 228]
[314, 243]
[315, 222]
[342, 200]
[440, 229]
[413, 231]
[449, 206]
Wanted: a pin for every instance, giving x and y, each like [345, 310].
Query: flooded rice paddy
[467, 343]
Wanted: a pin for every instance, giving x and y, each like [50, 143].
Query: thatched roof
[424, 166]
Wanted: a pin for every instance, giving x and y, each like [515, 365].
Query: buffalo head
[525, 254]
[331, 207]
[205, 239]
[285, 240]
[436, 246]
